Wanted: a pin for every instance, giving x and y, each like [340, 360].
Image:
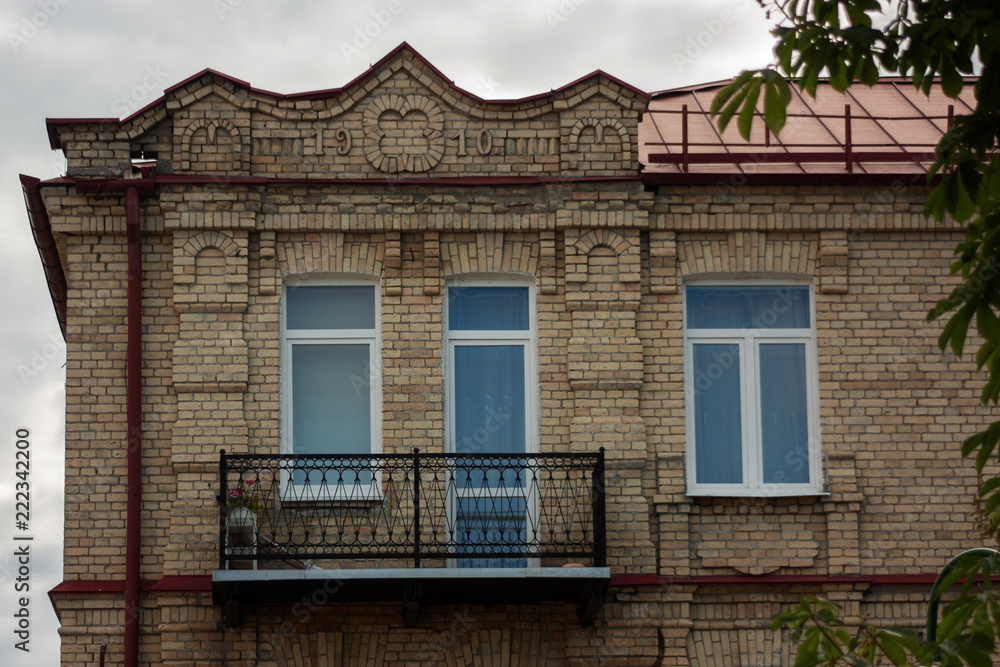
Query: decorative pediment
[401, 119]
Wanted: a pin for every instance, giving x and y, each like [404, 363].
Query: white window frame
[528, 339]
[749, 341]
[295, 337]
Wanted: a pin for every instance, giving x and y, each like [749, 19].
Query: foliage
[244, 495]
[818, 631]
[929, 41]
[967, 634]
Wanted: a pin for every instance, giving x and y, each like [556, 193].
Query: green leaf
[892, 649]
[839, 78]
[745, 121]
[869, 72]
[936, 204]
[727, 92]
[956, 620]
[729, 99]
[776, 98]
[992, 484]
[951, 80]
[958, 327]
[991, 503]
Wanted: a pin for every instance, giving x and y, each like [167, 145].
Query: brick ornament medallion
[403, 133]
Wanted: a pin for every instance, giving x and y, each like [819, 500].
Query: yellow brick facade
[407, 180]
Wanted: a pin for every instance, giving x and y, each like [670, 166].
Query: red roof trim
[772, 580]
[885, 80]
[173, 582]
[202, 583]
[169, 583]
[48, 251]
[113, 185]
[207, 70]
[737, 179]
[334, 92]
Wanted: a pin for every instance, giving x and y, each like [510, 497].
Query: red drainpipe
[133, 517]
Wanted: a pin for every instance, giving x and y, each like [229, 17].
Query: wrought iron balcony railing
[475, 510]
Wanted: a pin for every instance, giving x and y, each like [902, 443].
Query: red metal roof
[890, 128]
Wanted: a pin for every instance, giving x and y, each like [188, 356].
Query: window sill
[756, 493]
[362, 495]
[332, 503]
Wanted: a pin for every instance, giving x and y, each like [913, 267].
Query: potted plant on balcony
[242, 505]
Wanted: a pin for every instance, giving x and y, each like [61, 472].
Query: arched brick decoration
[740, 646]
[210, 239]
[191, 260]
[330, 649]
[602, 125]
[500, 648]
[602, 237]
[403, 133]
[223, 149]
[578, 260]
[747, 252]
[491, 252]
[331, 253]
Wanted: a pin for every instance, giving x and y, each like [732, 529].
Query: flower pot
[239, 517]
[241, 537]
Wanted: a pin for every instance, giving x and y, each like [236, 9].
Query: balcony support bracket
[591, 601]
[232, 613]
[413, 593]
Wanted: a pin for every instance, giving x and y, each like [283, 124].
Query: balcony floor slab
[414, 587]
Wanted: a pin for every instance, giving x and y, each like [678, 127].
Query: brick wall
[608, 260]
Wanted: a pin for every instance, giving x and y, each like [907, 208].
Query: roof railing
[686, 152]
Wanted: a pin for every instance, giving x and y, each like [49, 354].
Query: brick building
[566, 380]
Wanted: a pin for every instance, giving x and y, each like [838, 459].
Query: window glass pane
[489, 399]
[488, 308]
[718, 439]
[783, 408]
[331, 407]
[748, 307]
[330, 306]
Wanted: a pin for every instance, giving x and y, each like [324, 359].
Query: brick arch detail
[213, 127]
[336, 649]
[748, 252]
[602, 237]
[211, 239]
[332, 253]
[490, 252]
[600, 125]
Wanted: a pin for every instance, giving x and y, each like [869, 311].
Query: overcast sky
[89, 58]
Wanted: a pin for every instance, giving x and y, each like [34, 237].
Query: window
[330, 383]
[751, 390]
[490, 384]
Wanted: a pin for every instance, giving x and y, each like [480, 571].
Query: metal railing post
[599, 506]
[416, 507]
[848, 148]
[224, 494]
[684, 138]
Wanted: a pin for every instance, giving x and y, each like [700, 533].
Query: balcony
[417, 528]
